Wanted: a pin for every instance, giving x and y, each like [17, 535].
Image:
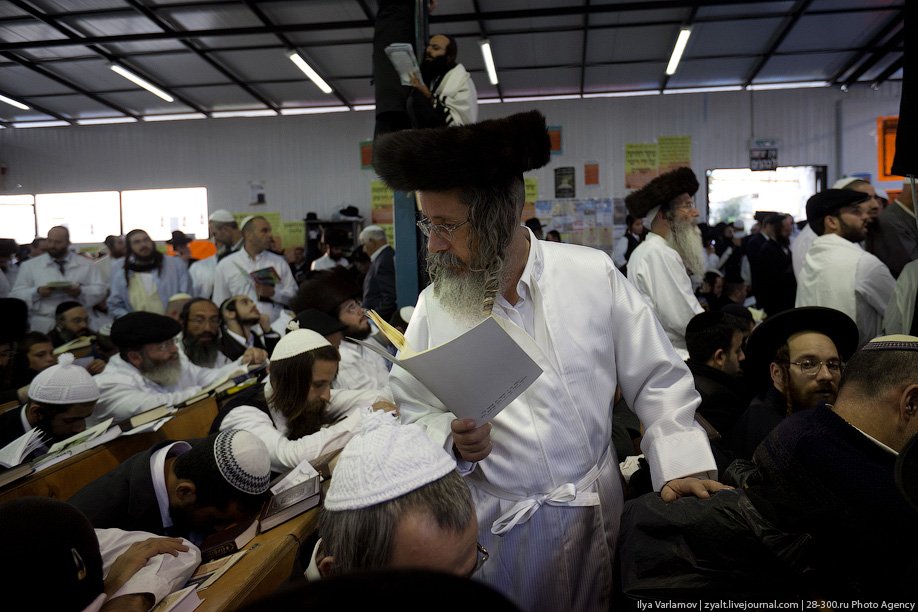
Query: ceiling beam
[779, 35]
[583, 48]
[874, 58]
[890, 70]
[168, 25]
[885, 30]
[45, 111]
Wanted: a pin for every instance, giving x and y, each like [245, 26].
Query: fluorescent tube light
[488, 60]
[685, 90]
[261, 112]
[623, 94]
[133, 78]
[175, 117]
[315, 110]
[308, 70]
[106, 120]
[38, 124]
[13, 102]
[684, 34]
[364, 107]
[797, 85]
[545, 97]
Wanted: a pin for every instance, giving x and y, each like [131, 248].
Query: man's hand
[683, 487]
[470, 442]
[73, 290]
[386, 406]
[95, 366]
[136, 556]
[418, 84]
[254, 356]
[45, 291]
[264, 291]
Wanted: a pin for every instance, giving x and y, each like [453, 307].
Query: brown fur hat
[477, 155]
[661, 190]
[326, 291]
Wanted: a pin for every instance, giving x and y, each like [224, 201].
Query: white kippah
[245, 222]
[845, 181]
[647, 221]
[243, 460]
[405, 313]
[221, 216]
[63, 383]
[179, 296]
[297, 342]
[385, 460]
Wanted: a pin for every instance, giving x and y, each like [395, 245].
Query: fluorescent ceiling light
[13, 102]
[175, 117]
[315, 110]
[265, 112]
[488, 60]
[684, 34]
[685, 90]
[545, 97]
[133, 78]
[38, 124]
[623, 94]
[797, 85]
[364, 107]
[106, 120]
[308, 70]
[490, 101]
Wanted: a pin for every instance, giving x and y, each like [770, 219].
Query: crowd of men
[760, 456]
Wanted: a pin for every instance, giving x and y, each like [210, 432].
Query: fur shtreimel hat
[476, 155]
[661, 190]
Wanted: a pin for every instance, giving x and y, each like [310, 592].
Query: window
[18, 218]
[90, 215]
[738, 193]
[160, 211]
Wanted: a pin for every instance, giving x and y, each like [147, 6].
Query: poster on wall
[366, 154]
[641, 162]
[591, 173]
[532, 189]
[673, 152]
[554, 136]
[293, 233]
[382, 202]
[565, 187]
[886, 148]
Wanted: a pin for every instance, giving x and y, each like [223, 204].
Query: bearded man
[547, 490]
[444, 93]
[145, 279]
[149, 369]
[658, 266]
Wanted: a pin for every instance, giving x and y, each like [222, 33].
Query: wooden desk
[63, 479]
[264, 568]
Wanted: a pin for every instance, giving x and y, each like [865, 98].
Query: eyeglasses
[215, 321]
[482, 557]
[164, 347]
[811, 367]
[685, 205]
[442, 230]
[352, 307]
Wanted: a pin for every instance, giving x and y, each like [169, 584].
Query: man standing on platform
[547, 490]
[444, 93]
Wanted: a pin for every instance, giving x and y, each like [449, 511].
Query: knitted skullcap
[243, 460]
[221, 216]
[297, 342]
[896, 342]
[64, 383]
[385, 460]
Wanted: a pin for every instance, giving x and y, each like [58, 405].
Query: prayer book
[265, 276]
[83, 440]
[404, 61]
[147, 416]
[75, 344]
[15, 473]
[210, 571]
[228, 541]
[291, 502]
[475, 375]
[184, 600]
[16, 451]
[60, 284]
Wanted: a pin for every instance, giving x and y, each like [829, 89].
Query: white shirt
[124, 391]
[901, 309]
[158, 473]
[232, 278]
[202, 277]
[42, 270]
[800, 246]
[360, 368]
[327, 263]
[657, 270]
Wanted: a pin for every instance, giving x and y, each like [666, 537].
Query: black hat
[828, 202]
[349, 211]
[65, 306]
[327, 290]
[15, 316]
[8, 247]
[768, 337]
[703, 321]
[136, 329]
[477, 155]
[738, 310]
[661, 190]
[179, 239]
[319, 322]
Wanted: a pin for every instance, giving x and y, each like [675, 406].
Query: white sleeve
[901, 307]
[670, 291]
[25, 287]
[286, 289]
[345, 401]
[93, 290]
[874, 284]
[162, 574]
[619, 250]
[287, 454]
[121, 400]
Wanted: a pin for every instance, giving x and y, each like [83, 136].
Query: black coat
[764, 413]
[775, 285]
[379, 284]
[11, 425]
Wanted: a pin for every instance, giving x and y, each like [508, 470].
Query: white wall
[311, 163]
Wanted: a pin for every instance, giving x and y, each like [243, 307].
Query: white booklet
[403, 60]
[16, 451]
[475, 375]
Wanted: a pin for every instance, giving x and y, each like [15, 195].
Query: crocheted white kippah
[64, 383]
[297, 342]
[243, 460]
[385, 460]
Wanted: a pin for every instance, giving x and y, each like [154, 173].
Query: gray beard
[685, 238]
[165, 374]
[460, 290]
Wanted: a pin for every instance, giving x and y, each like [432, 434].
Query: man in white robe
[658, 265]
[546, 488]
[837, 272]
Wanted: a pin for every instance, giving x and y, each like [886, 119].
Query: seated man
[59, 401]
[240, 317]
[396, 501]
[83, 569]
[149, 369]
[181, 489]
[204, 339]
[715, 346]
[292, 413]
[794, 361]
[71, 321]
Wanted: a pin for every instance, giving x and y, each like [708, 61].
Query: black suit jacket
[10, 425]
[379, 284]
[233, 350]
[776, 287]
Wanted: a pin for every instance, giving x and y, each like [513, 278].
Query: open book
[75, 344]
[16, 451]
[403, 60]
[475, 375]
[265, 276]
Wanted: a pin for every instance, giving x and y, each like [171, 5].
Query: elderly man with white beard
[149, 369]
[547, 490]
[659, 267]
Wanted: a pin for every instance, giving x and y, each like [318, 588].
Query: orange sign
[886, 148]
